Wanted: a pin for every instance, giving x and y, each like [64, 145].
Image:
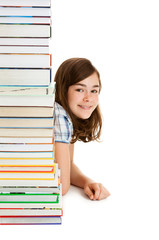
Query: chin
[84, 117]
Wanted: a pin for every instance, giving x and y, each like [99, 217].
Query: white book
[30, 189]
[25, 140]
[25, 60]
[33, 205]
[43, 101]
[37, 197]
[26, 20]
[26, 176]
[27, 162]
[26, 123]
[31, 77]
[25, 11]
[23, 49]
[25, 30]
[24, 41]
[24, 111]
[27, 90]
[26, 155]
[26, 147]
[13, 168]
[27, 132]
[29, 220]
[38, 3]
[31, 212]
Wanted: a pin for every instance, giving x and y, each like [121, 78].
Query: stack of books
[30, 189]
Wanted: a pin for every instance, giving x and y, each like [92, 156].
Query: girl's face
[83, 96]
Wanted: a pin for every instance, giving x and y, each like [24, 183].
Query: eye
[94, 91]
[79, 90]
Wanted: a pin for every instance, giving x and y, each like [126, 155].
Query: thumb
[88, 191]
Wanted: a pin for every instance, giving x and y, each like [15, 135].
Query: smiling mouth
[85, 107]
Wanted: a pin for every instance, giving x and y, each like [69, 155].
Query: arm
[62, 157]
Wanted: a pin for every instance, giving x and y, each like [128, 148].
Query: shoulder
[63, 125]
[59, 109]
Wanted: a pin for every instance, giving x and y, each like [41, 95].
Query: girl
[77, 117]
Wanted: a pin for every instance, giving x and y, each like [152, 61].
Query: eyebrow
[83, 85]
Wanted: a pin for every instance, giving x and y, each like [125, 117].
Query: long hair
[69, 73]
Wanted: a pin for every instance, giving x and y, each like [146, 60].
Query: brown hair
[69, 73]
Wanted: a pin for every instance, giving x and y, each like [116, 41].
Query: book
[26, 140]
[26, 154]
[21, 111]
[29, 162]
[26, 132]
[24, 49]
[25, 20]
[26, 122]
[25, 169]
[25, 30]
[23, 100]
[33, 205]
[29, 198]
[26, 189]
[29, 180]
[25, 11]
[29, 220]
[31, 77]
[31, 212]
[20, 147]
[39, 205]
[27, 176]
[25, 3]
[24, 42]
[25, 60]
[27, 90]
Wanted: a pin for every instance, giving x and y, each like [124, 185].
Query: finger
[104, 193]
[88, 191]
[96, 191]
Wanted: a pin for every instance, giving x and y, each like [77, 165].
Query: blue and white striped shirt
[63, 125]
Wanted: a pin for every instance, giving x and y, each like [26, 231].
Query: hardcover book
[26, 3]
[25, 30]
[25, 11]
[25, 60]
[25, 76]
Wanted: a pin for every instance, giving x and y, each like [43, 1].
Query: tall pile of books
[30, 189]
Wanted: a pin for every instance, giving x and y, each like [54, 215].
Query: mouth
[85, 107]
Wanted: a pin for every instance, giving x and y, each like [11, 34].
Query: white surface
[121, 38]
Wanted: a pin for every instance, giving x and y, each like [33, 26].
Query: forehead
[91, 81]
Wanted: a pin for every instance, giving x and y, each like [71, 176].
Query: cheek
[96, 100]
[73, 97]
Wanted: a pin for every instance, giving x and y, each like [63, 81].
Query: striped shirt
[63, 125]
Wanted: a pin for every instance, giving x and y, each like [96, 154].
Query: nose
[87, 97]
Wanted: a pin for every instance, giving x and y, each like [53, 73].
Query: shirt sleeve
[63, 129]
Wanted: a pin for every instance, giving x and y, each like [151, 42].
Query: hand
[96, 191]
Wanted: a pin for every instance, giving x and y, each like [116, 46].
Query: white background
[121, 39]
